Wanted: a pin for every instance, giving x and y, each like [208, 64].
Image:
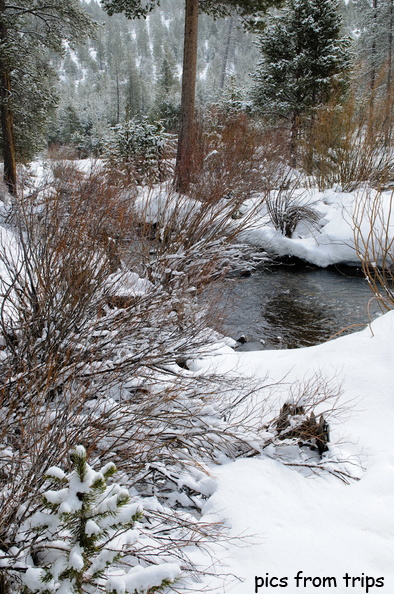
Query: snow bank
[331, 241]
[284, 523]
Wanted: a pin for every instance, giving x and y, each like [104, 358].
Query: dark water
[286, 307]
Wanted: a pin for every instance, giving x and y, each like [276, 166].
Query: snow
[128, 284]
[332, 240]
[56, 473]
[142, 579]
[92, 528]
[33, 577]
[282, 522]
[76, 560]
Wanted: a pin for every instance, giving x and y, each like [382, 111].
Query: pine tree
[34, 96]
[84, 532]
[217, 8]
[305, 57]
[27, 30]
[134, 92]
[166, 107]
[375, 20]
[136, 148]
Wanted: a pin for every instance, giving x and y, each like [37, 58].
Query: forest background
[132, 68]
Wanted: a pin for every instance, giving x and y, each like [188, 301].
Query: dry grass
[287, 208]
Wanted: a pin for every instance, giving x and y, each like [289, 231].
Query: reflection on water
[289, 308]
[296, 321]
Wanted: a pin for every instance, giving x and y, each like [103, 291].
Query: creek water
[292, 306]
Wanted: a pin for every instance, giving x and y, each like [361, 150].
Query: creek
[291, 306]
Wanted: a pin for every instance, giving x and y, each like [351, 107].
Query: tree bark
[389, 83]
[226, 54]
[187, 115]
[373, 48]
[7, 124]
[390, 48]
[294, 133]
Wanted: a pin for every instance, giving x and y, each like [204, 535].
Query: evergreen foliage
[133, 9]
[85, 532]
[166, 107]
[142, 73]
[29, 31]
[138, 8]
[34, 95]
[137, 147]
[305, 56]
[375, 27]
[245, 8]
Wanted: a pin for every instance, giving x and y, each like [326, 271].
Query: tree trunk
[390, 48]
[187, 116]
[294, 133]
[7, 124]
[389, 83]
[373, 48]
[226, 54]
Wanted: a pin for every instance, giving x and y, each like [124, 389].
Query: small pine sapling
[137, 149]
[84, 535]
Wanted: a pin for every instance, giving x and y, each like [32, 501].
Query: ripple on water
[286, 307]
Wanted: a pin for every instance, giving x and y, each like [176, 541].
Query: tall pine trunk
[187, 116]
[389, 82]
[226, 54]
[373, 48]
[390, 48]
[7, 124]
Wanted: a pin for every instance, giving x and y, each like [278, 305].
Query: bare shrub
[231, 159]
[57, 151]
[232, 156]
[191, 240]
[374, 243]
[274, 153]
[184, 242]
[80, 364]
[349, 143]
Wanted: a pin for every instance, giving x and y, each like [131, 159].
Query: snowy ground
[284, 523]
[331, 239]
[316, 525]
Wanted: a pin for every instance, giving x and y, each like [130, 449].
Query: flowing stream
[291, 307]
